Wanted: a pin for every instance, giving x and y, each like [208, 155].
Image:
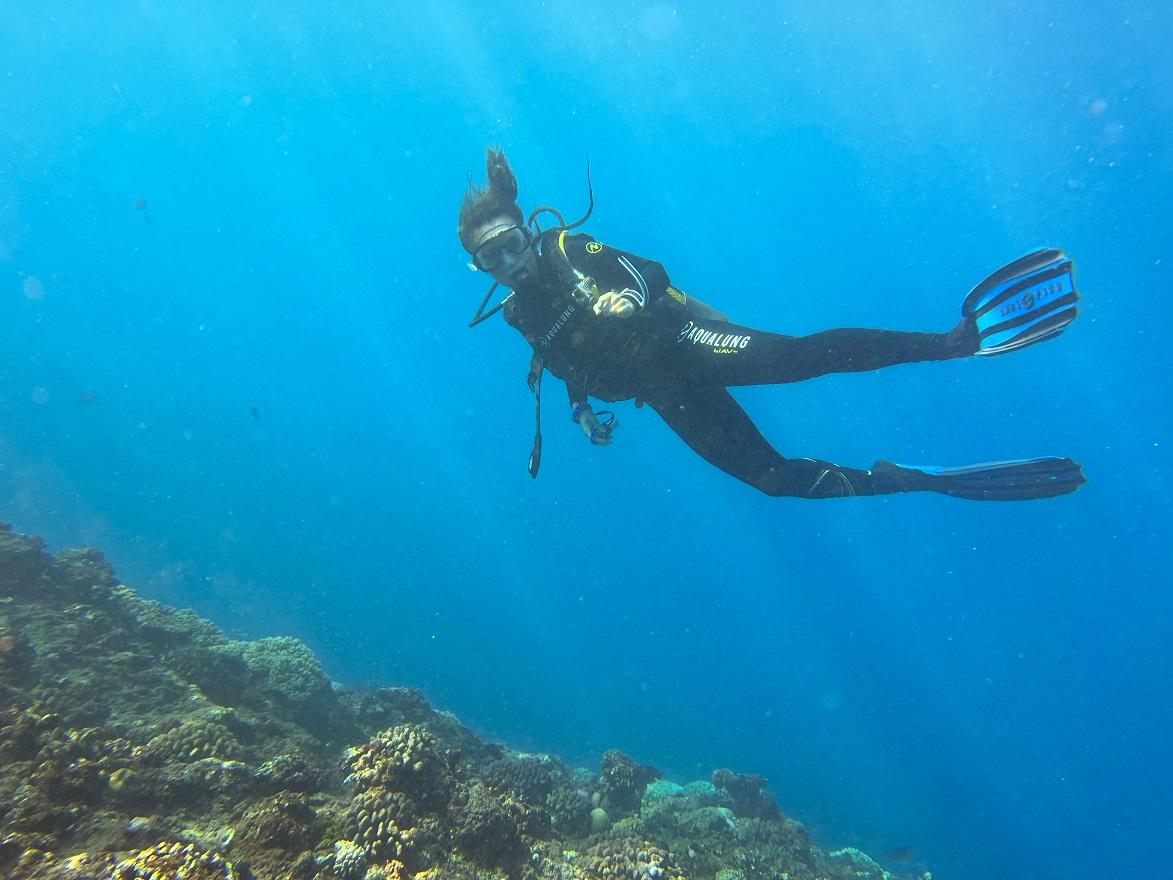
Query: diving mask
[512, 239]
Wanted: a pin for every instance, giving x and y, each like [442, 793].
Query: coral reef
[350, 859]
[623, 781]
[174, 860]
[287, 668]
[570, 811]
[748, 793]
[195, 739]
[138, 742]
[486, 829]
[382, 823]
[629, 858]
[403, 758]
[531, 778]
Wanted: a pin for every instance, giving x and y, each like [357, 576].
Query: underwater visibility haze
[234, 357]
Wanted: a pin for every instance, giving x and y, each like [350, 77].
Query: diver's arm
[639, 281]
[628, 277]
[583, 416]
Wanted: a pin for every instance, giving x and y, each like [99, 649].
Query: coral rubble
[138, 742]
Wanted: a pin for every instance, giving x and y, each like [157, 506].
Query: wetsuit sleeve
[635, 278]
[576, 392]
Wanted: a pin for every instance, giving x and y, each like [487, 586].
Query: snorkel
[536, 228]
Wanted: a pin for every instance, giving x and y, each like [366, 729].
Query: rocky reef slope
[138, 742]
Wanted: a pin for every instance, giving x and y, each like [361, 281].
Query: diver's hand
[613, 305]
[597, 432]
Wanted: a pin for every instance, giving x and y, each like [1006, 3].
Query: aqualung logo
[546, 338]
[1030, 298]
[690, 332]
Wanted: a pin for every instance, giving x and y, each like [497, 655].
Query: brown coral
[624, 781]
[392, 870]
[16, 654]
[486, 828]
[570, 811]
[284, 821]
[25, 562]
[749, 798]
[530, 778]
[22, 731]
[289, 773]
[780, 847]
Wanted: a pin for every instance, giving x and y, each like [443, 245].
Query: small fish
[256, 414]
[88, 397]
[902, 854]
[140, 205]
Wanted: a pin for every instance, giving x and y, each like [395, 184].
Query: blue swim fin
[1020, 480]
[1027, 301]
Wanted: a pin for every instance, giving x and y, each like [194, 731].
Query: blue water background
[258, 395]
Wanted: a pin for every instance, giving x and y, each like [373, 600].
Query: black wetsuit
[679, 357]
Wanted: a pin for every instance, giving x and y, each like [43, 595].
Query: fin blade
[1024, 265]
[1016, 480]
[1025, 302]
[1030, 330]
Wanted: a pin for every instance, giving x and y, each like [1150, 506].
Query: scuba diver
[613, 327]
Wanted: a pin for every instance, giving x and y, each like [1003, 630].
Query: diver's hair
[496, 199]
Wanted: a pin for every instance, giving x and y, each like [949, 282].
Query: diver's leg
[710, 421]
[735, 355]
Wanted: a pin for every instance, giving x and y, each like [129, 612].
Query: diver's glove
[623, 304]
[597, 426]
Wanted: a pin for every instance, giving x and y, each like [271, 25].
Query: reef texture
[138, 742]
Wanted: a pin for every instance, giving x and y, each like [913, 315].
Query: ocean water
[234, 356]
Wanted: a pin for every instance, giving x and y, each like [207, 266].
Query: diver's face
[503, 250]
